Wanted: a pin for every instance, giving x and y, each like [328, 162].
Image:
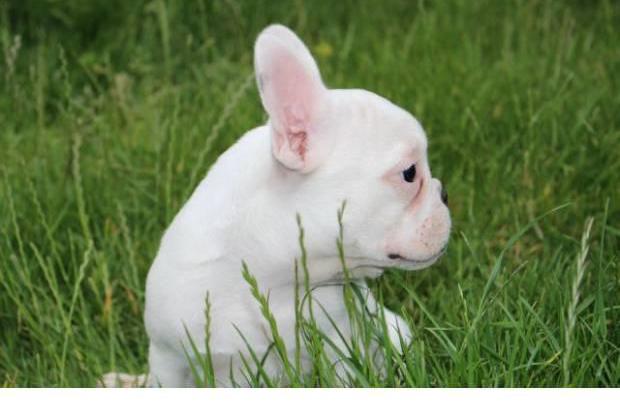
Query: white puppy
[320, 147]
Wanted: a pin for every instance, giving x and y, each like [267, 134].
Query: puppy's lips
[404, 263]
[398, 258]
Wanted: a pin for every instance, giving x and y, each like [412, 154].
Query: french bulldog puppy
[320, 148]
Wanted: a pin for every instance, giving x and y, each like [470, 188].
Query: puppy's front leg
[398, 329]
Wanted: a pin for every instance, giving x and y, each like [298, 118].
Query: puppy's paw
[122, 380]
[398, 330]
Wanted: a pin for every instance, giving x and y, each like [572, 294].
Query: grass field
[111, 112]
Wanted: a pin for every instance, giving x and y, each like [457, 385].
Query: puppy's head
[356, 146]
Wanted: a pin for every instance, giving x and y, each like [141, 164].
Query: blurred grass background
[112, 111]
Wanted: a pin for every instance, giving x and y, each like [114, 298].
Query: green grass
[111, 111]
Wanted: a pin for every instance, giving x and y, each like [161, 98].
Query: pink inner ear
[293, 92]
[296, 124]
[290, 96]
[298, 142]
[290, 148]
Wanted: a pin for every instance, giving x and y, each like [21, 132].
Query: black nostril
[444, 195]
[394, 256]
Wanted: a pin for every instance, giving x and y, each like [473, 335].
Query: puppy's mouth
[397, 258]
[398, 261]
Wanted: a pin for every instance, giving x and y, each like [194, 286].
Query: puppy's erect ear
[292, 93]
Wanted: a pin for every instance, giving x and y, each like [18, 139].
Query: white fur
[321, 147]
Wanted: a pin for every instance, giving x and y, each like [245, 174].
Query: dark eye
[409, 174]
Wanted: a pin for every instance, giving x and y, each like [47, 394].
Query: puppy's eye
[409, 174]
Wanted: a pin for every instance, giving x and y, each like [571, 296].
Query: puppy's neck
[247, 213]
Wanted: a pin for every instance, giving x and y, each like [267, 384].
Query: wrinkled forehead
[403, 133]
[386, 126]
[372, 133]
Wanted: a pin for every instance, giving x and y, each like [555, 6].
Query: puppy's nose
[444, 195]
